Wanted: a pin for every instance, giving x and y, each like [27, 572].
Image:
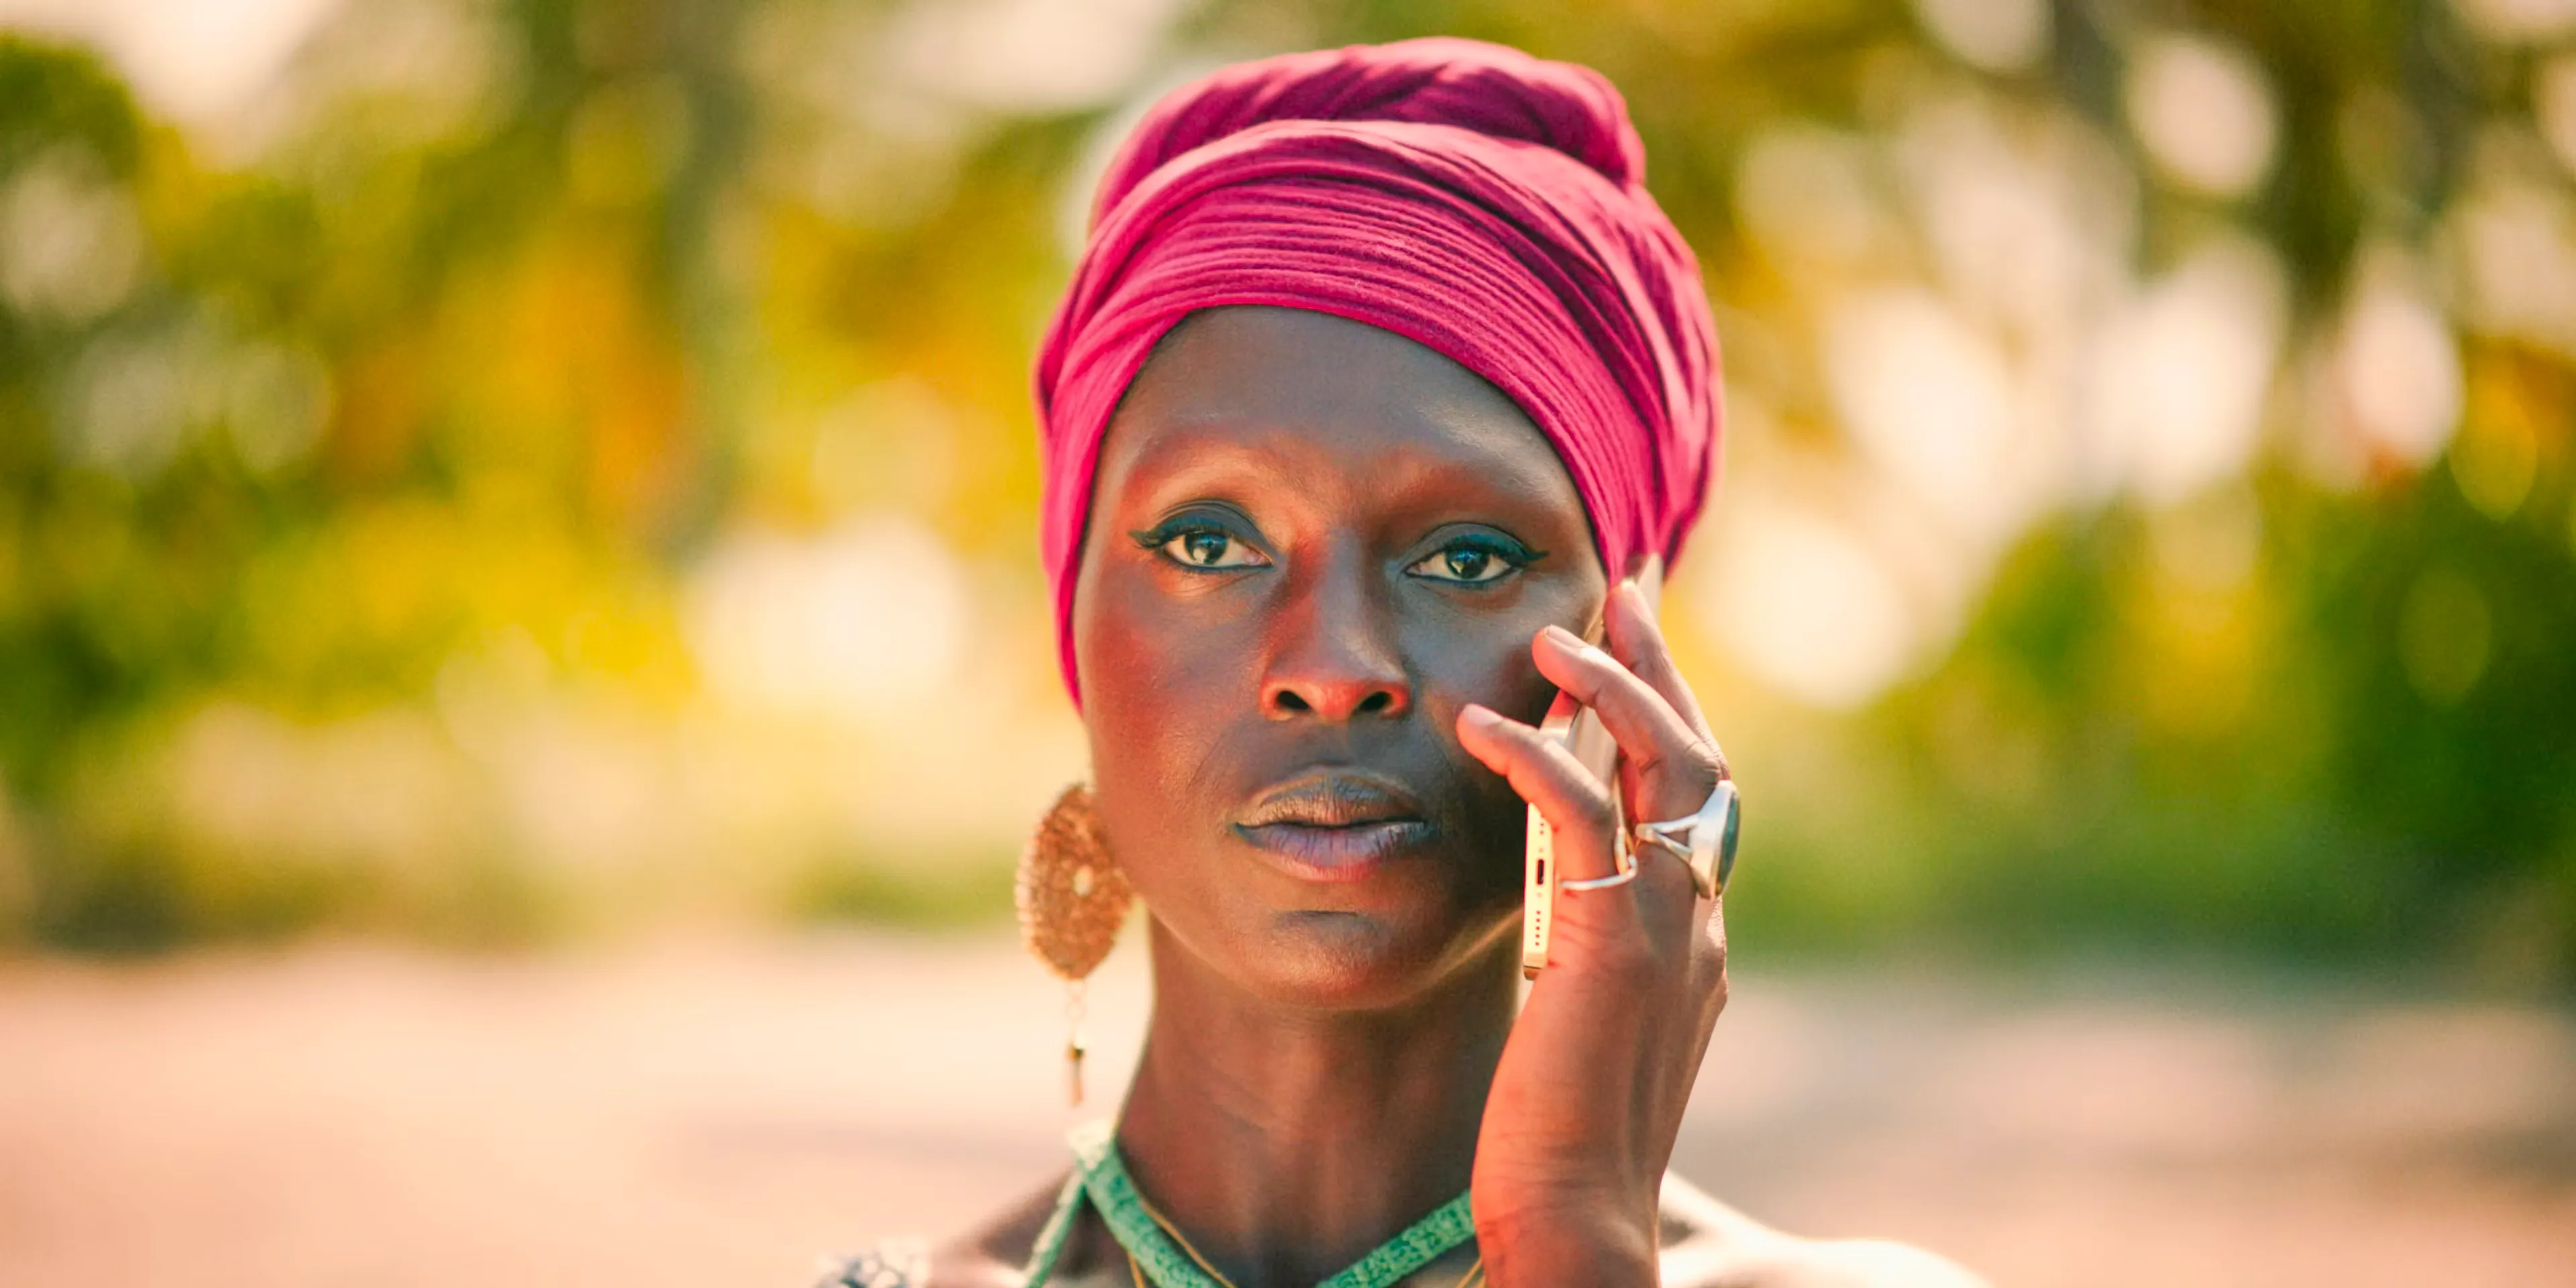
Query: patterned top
[1716, 1244]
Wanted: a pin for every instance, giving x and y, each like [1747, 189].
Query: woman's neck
[1288, 1143]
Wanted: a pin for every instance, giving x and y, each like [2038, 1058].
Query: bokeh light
[530, 403]
[506, 473]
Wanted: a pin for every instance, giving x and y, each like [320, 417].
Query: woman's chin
[1359, 961]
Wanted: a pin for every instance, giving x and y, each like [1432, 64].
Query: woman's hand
[1590, 1091]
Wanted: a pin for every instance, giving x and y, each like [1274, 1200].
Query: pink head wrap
[1469, 197]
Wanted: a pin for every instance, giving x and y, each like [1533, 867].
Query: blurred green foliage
[448, 367]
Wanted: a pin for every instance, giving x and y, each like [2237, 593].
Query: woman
[1381, 380]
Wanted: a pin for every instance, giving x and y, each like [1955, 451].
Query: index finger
[1637, 640]
[1674, 766]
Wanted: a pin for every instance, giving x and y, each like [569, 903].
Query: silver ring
[1600, 883]
[1705, 841]
[1627, 872]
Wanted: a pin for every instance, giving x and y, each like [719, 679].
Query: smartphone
[1580, 731]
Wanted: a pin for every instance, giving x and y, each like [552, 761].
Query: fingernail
[1477, 716]
[1575, 644]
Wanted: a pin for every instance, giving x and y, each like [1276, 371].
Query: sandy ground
[719, 1113]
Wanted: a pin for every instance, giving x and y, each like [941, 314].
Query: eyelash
[1164, 534]
[1513, 555]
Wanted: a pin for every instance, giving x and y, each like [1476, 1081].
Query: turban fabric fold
[1479, 201]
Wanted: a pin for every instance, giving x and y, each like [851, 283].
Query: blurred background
[524, 671]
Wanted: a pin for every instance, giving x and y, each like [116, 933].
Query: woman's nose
[1334, 660]
[1336, 697]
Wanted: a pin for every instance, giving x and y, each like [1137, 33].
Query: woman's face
[1311, 542]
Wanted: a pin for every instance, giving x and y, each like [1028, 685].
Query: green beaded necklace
[1101, 1175]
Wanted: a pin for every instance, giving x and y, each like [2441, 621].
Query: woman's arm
[1590, 1091]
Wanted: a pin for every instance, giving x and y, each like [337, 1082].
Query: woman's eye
[1467, 563]
[1211, 548]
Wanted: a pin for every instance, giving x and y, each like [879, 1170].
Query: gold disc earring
[1072, 900]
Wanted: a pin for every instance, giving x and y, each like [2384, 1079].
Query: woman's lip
[1346, 853]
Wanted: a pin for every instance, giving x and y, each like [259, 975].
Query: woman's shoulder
[992, 1255]
[1708, 1244]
